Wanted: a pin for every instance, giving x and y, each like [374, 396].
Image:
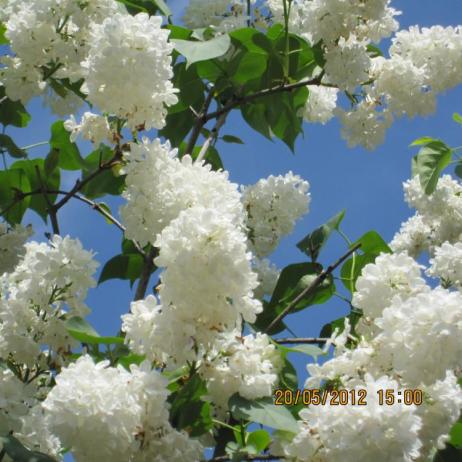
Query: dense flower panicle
[391, 275]
[355, 433]
[432, 49]
[88, 398]
[438, 218]
[420, 336]
[364, 125]
[441, 410]
[447, 264]
[205, 13]
[330, 20]
[159, 186]
[208, 277]
[92, 127]
[273, 205]
[347, 64]
[321, 104]
[15, 400]
[120, 45]
[12, 248]
[49, 285]
[246, 365]
[49, 33]
[268, 276]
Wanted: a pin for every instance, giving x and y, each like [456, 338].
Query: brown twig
[201, 120]
[212, 137]
[148, 268]
[301, 340]
[312, 287]
[239, 101]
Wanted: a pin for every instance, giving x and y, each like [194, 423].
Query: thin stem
[212, 137]
[239, 101]
[353, 265]
[201, 120]
[312, 287]
[247, 457]
[223, 424]
[148, 268]
[301, 340]
[51, 209]
[30, 146]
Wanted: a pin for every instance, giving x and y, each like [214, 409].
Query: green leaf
[212, 157]
[123, 267]
[431, 160]
[195, 51]
[252, 41]
[255, 115]
[191, 88]
[12, 112]
[19, 453]
[310, 350]
[232, 139]
[292, 281]
[455, 436]
[372, 243]
[163, 7]
[13, 182]
[259, 439]
[263, 411]
[50, 182]
[188, 410]
[69, 155]
[107, 182]
[457, 118]
[51, 161]
[422, 141]
[312, 244]
[7, 144]
[458, 170]
[288, 375]
[82, 331]
[349, 275]
[140, 6]
[339, 324]
[448, 454]
[374, 51]
[3, 39]
[250, 66]
[177, 126]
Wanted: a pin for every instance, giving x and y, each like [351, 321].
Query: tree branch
[239, 101]
[148, 268]
[312, 287]
[301, 340]
[51, 208]
[212, 137]
[247, 457]
[201, 120]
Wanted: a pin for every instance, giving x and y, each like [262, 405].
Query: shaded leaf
[13, 182]
[263, 411]
[82, 331]
[7, 144]
[69, 155]
[123, 267]
[12, 112]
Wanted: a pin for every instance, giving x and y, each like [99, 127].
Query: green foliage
[19, 453]
[146, 6]
[123, 267]
[312, 244]
[69, 157]
[339, 324]
[39, 180]
[232, 139]
[455, 436]
[195, 51]
[188, 410]
[372, 245]
[82, 331]
[293, 280]
[3, 39]
[8, 145]
[13, 184]
[448, 454]
[108, 181]
[262, 411]
[12, 112]
[432, 159]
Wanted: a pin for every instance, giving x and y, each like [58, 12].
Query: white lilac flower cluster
[438, 218]
[12, 242]
[221, 15]
[210, 281]
[97, 42]
[408, 337]
[120, 45]
[126, 410]
[47, 287]
[273, 205]
[92, 127]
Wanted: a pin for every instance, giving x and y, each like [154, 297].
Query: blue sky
[367, 184]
